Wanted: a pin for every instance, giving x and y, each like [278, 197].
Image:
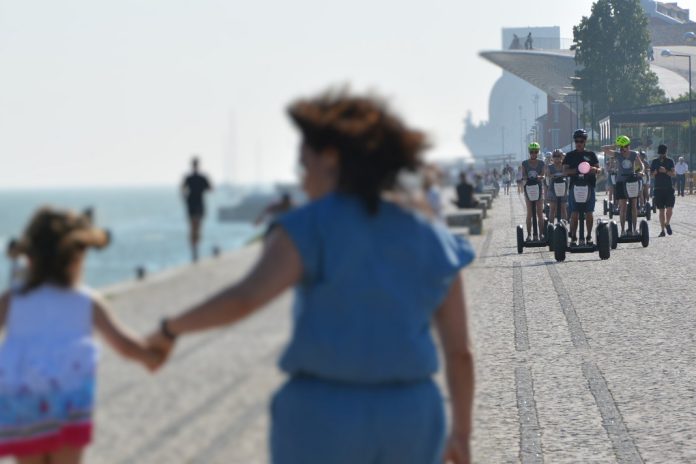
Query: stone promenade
[586, 361]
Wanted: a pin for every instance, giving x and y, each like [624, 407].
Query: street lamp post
[570, 115]
[667, 52]
[577, 104]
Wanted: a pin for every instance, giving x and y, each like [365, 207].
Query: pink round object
[584, 167]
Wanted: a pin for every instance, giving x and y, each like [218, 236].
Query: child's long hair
[52, 240]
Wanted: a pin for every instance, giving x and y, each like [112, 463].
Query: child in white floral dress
[48, 358]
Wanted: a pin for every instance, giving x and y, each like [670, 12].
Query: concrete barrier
[469, 218]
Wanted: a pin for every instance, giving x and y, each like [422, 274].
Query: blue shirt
[370, 287]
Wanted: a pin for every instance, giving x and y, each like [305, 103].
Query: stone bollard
[140, 272]
[216, 251]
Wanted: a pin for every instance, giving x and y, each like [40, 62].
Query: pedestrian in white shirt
[681, 168]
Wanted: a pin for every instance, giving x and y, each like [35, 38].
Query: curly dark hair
[52, 240]
[372, 143]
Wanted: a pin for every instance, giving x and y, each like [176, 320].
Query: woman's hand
[160, 347]
[457, 450]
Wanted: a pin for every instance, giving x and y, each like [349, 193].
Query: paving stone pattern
[585, 361]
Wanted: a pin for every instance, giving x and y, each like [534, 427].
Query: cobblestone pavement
[586, 360]
[578, 362]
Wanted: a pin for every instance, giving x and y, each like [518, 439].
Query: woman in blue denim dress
[372, 276]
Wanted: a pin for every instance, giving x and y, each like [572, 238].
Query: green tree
[611, 47]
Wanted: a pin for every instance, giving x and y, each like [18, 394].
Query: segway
[560, 189]
[533, 191]
[632, 191]
[644, 209]
[581, 193]
[611, 207]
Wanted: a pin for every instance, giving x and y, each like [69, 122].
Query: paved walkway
[584, 361]
[587, 360]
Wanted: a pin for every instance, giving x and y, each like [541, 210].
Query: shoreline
[158, 277]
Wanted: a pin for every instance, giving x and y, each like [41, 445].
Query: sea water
[148, 225]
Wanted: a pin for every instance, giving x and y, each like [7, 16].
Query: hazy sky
[99, 93]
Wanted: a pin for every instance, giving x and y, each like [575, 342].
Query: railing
[540, 43]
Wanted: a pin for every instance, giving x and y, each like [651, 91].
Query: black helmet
[580, 134]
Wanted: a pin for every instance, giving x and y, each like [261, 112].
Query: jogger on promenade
[194, 187]
[48, 358]
[371, 276]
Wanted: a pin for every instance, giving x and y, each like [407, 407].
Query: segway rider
[534, 170]
[628, 164]
[554, 170]
[570, 168]
[662, 169]
[610, 167]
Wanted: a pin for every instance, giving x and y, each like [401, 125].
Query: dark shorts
[195, 211]
[589, 206]
[664, 198]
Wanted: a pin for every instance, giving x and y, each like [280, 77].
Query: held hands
[160, 345]
[152, 359]
[457, 450]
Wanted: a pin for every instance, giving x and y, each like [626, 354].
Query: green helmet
[623, 141]
[534, 147]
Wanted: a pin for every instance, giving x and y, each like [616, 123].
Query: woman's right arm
[451, 324]
[278, 268]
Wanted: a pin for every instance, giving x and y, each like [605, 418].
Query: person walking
[195, 185]
[48, 358]
[681, 168]
[371, 275]
[662, 169]
[507, 178]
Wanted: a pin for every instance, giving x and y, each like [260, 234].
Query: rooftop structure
[548, 67]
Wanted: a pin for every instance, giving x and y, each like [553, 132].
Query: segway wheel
[614, 232]
[560, 237]
[648, 210]
[603, 241]
[549, 236]
[644, 234]
[520, 239]
[606, 207]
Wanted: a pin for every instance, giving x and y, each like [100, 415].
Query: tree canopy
[611, 46]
